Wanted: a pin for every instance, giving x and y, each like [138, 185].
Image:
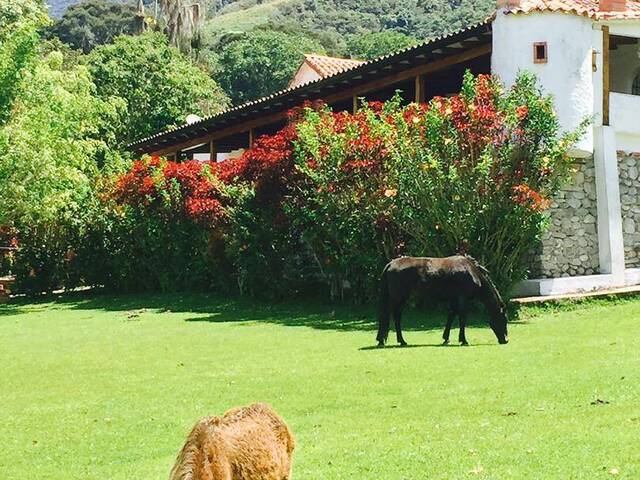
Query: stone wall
[570, 245]
[629, 174]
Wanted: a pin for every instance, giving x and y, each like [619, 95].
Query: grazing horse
[248, 443]
[457, 279]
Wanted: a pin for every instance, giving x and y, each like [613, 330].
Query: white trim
[632, 276]
[566, 285]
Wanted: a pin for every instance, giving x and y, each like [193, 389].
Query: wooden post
[177, 155]
[605, 75]
[213, 151]
[250, 137]
[355, 105]
[419, 89]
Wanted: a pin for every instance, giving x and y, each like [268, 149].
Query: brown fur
[247, 443]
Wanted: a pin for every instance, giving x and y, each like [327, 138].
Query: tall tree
[20, 23]
[95, 22]
[53, 144]
[182, 20]
[262, 62]
[159, 85]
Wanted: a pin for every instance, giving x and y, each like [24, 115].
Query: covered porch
[419, 73]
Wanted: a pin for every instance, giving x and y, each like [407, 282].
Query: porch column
[605, 75]
[419, 89]
[610, 239]
[213, 151]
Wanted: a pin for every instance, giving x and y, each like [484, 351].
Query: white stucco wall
[625, 113]
[304, 74]
[567, 75]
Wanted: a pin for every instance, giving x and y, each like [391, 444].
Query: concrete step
[611, 292]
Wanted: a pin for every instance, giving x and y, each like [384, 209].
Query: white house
[587, 54]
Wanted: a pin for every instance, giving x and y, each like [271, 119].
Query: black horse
[458, 280]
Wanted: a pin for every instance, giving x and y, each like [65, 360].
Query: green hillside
[332, 22]
[239, 18]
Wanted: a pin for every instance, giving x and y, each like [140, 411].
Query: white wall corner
[632, 276]
[610, 239]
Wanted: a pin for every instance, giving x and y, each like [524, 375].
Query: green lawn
[108, 387]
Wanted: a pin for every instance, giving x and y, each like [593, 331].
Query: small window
[540, 52]
[635, 86]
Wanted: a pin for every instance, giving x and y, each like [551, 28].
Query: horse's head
[498, 322]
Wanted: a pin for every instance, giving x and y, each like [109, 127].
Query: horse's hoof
[446, 342]
[464, 344]
[404, 344]
[380, 345]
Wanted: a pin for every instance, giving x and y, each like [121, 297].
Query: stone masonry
[629, 174]
[569, 247]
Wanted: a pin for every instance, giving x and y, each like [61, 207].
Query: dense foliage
[52, 151]
[333, 21]
[19, 25]
[64, 118]
[95, 22]
[264, 62]
[318, 207]
[323, 204]
[369, 46]
[159, 85]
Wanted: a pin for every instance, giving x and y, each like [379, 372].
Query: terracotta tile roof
[589, 8]
[327, 66]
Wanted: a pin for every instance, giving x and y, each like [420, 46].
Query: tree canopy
[261, 63]
[95, 22]
[158, 84]
[49, 149]
[368, 46]
[19, 25]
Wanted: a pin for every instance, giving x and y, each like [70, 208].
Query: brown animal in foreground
[247, 443]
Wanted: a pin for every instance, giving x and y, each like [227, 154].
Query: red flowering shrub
[329, 199]
[476, 172]
[190, 188]
[471, 173]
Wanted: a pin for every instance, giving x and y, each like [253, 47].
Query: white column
[610, 240]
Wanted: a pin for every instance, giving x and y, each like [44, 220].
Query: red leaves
[478, 120]
[527, 197]
[268, 164]
[188, 187]
[521, 112]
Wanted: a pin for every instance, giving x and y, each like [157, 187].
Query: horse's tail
[384, 311]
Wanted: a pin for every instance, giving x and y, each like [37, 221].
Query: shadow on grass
[424, 345]
[215, 309]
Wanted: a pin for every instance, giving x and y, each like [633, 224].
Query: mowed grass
[108, 388]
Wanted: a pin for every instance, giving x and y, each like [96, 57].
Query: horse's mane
[486, 276]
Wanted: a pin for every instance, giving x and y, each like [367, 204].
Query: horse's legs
[462, 316]
[397, 314]
[453, 310]
[383, 326]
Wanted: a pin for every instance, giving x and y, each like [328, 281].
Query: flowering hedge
[191, 189]
[323, 204]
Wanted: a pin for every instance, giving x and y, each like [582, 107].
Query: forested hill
[58, 7]
[252, 48]
[332, 21]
